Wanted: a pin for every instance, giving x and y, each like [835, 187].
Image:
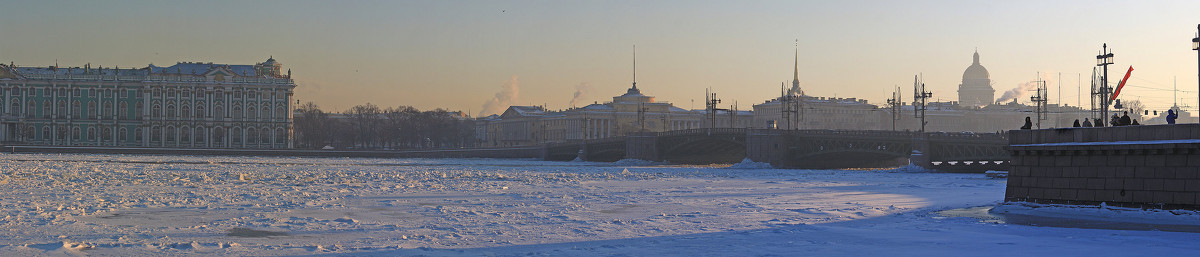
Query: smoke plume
[1022, 90]
[581, 90]
[506, 97]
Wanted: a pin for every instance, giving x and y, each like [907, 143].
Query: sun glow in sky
[459, 54]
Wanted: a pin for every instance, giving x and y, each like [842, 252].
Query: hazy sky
[459, 54]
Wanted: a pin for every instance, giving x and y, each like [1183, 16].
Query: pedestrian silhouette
[1076, 123]
[1087, 123]
[1171, 116]
[1125, 121]
[1028, 123]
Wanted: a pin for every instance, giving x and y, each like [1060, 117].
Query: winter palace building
[186, 105]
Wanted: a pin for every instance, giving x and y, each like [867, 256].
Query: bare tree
[312, 126]
[364, 120]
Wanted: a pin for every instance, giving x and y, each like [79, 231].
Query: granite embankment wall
[515, 152]
[1135, 166]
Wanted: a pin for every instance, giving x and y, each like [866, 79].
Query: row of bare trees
[367, 126]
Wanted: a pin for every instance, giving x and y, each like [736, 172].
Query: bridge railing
[968, 135]
[702, 131]
[851, 133]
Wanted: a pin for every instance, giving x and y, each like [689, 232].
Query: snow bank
[750, 164]
[1101, 213]
[910, 168]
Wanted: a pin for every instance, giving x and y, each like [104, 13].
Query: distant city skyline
[461, 55]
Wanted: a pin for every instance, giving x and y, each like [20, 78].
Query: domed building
[976, 88]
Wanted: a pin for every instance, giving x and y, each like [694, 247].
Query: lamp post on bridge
[1196, 47]
[1104, 59]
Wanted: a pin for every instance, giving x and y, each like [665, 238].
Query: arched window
[186, 112]
[75, 133]
[62, 132]
[280, 136]
[139, 110]
[251, 113]
[14, 108]
[123, 110]
[237, 112]
[122, 135]
[156, 134]
[281, 113]
[108, 109]
[46, 109]
[218, 137]
[75, 109]
[199, 111]
[170, 111]
[200, 133]
[92, 110]
[61, 112]
[218, 112]
[170, 134]
[137, 134]
[251, 135]
[45, 132]
[185, 134]
[91, 133]
[106, 134]
[235, 136]
[264, 136]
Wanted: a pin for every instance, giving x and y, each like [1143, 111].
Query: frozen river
[131, 205]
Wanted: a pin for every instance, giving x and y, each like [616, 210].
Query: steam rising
[581, 90]
[506, 97]
[1022, 90]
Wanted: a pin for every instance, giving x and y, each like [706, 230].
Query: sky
[465, 55]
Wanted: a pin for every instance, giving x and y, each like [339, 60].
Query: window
[236, 136]
[155, 134]
[265, 136]
[46, 109]
[199, 112]
[92, 110]
[280, 136]
[108, 109]
[137, 134]
[123, 110]
[251, 135]
[75, 111]
[187, 112]
[45, 132]
[170, 112]
[218, 112]
[170, 134]
[122, 135]
[75, 133]
[251, 113]
[199, 135]
[139, 110]
[237, 112]
[185, 135]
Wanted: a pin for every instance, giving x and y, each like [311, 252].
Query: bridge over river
[963, 152]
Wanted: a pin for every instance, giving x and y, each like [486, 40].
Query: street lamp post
[1104, 59]
[1196, 47]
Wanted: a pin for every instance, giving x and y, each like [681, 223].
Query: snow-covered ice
[147, 205]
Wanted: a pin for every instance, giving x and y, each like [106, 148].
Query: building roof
[976, 71]
[195, 68]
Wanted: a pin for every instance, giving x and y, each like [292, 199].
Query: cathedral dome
[976, 71]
